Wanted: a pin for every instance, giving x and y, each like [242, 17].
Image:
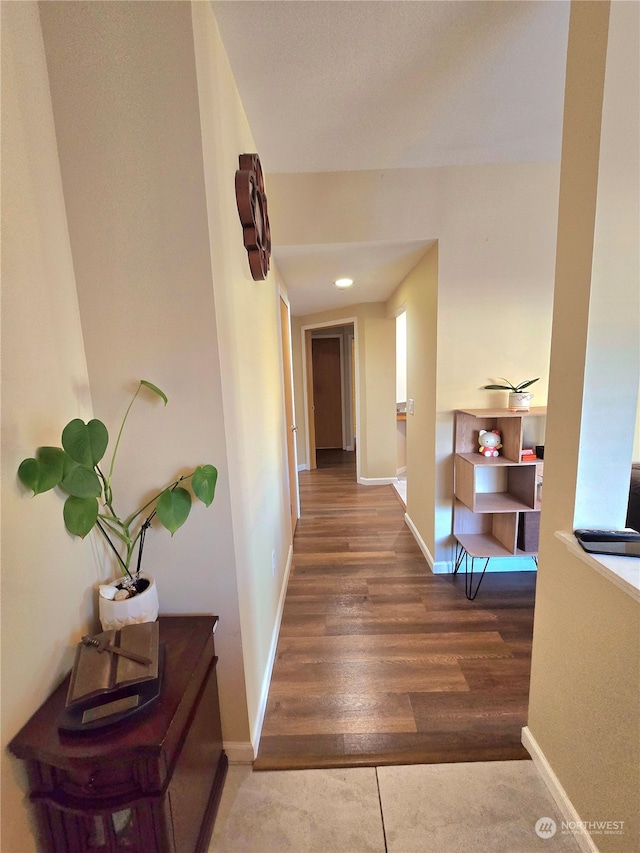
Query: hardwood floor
[381, 662]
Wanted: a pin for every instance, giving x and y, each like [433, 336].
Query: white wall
[401, 357]
[612, 367]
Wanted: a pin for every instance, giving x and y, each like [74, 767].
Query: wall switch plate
[410, 406]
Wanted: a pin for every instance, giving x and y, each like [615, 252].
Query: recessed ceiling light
[343, 282]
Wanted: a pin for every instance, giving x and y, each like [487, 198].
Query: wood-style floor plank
[381, 662]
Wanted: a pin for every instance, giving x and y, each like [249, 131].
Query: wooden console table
[150, 785]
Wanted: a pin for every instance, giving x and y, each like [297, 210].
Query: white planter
[519, 401]
[140, 608]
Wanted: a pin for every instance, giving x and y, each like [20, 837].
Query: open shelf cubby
[491, 493]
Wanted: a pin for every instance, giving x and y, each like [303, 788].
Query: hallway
[380, 662]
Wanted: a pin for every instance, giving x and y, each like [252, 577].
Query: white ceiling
[342, 85]
[376, 269]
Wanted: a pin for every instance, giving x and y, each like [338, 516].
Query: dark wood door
[327, 393]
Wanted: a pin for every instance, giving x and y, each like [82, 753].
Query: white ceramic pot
[519, 401]
[140, 608]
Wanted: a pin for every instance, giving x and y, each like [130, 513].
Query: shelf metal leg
[462, 556]
[468, 577]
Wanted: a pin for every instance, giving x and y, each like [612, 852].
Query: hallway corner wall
[249, 347]
[584, 701]
[419, 295]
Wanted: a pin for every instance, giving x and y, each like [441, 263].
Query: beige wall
[123, 259]
[247, 317]
[47, 578]
[584, 711]
[378, 402]
[402, 204]
[376, 359]
[141, 253]
[418, 294]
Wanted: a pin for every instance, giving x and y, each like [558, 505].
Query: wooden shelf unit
[491, 493]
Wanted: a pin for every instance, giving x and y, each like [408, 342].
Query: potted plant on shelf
[519, 399]
[75, 469]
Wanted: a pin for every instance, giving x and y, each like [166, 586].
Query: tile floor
[480, 807]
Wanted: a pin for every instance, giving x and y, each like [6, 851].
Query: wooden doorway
[344, 333]
[326, 357]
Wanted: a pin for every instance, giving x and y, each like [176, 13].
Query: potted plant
[75, 468]
[519, 399]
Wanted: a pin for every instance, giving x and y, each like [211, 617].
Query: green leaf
[497, 388]
[44, 472]
[526, 384]
[80, 514]
[204, 482]
[85, 443]
[81, 482]
[155, 390]
[173, 508]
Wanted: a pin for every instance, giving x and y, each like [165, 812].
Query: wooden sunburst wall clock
[252, 209]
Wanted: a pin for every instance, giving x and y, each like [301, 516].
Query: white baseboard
[256, 729]
[569, 813]
[303, 467]
[443, 567]
[238, 752]
[421, 543]
[376, 481]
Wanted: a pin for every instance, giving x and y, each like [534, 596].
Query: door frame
[308, 387]
[343, 408]
[350, 373]
[291, 450]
